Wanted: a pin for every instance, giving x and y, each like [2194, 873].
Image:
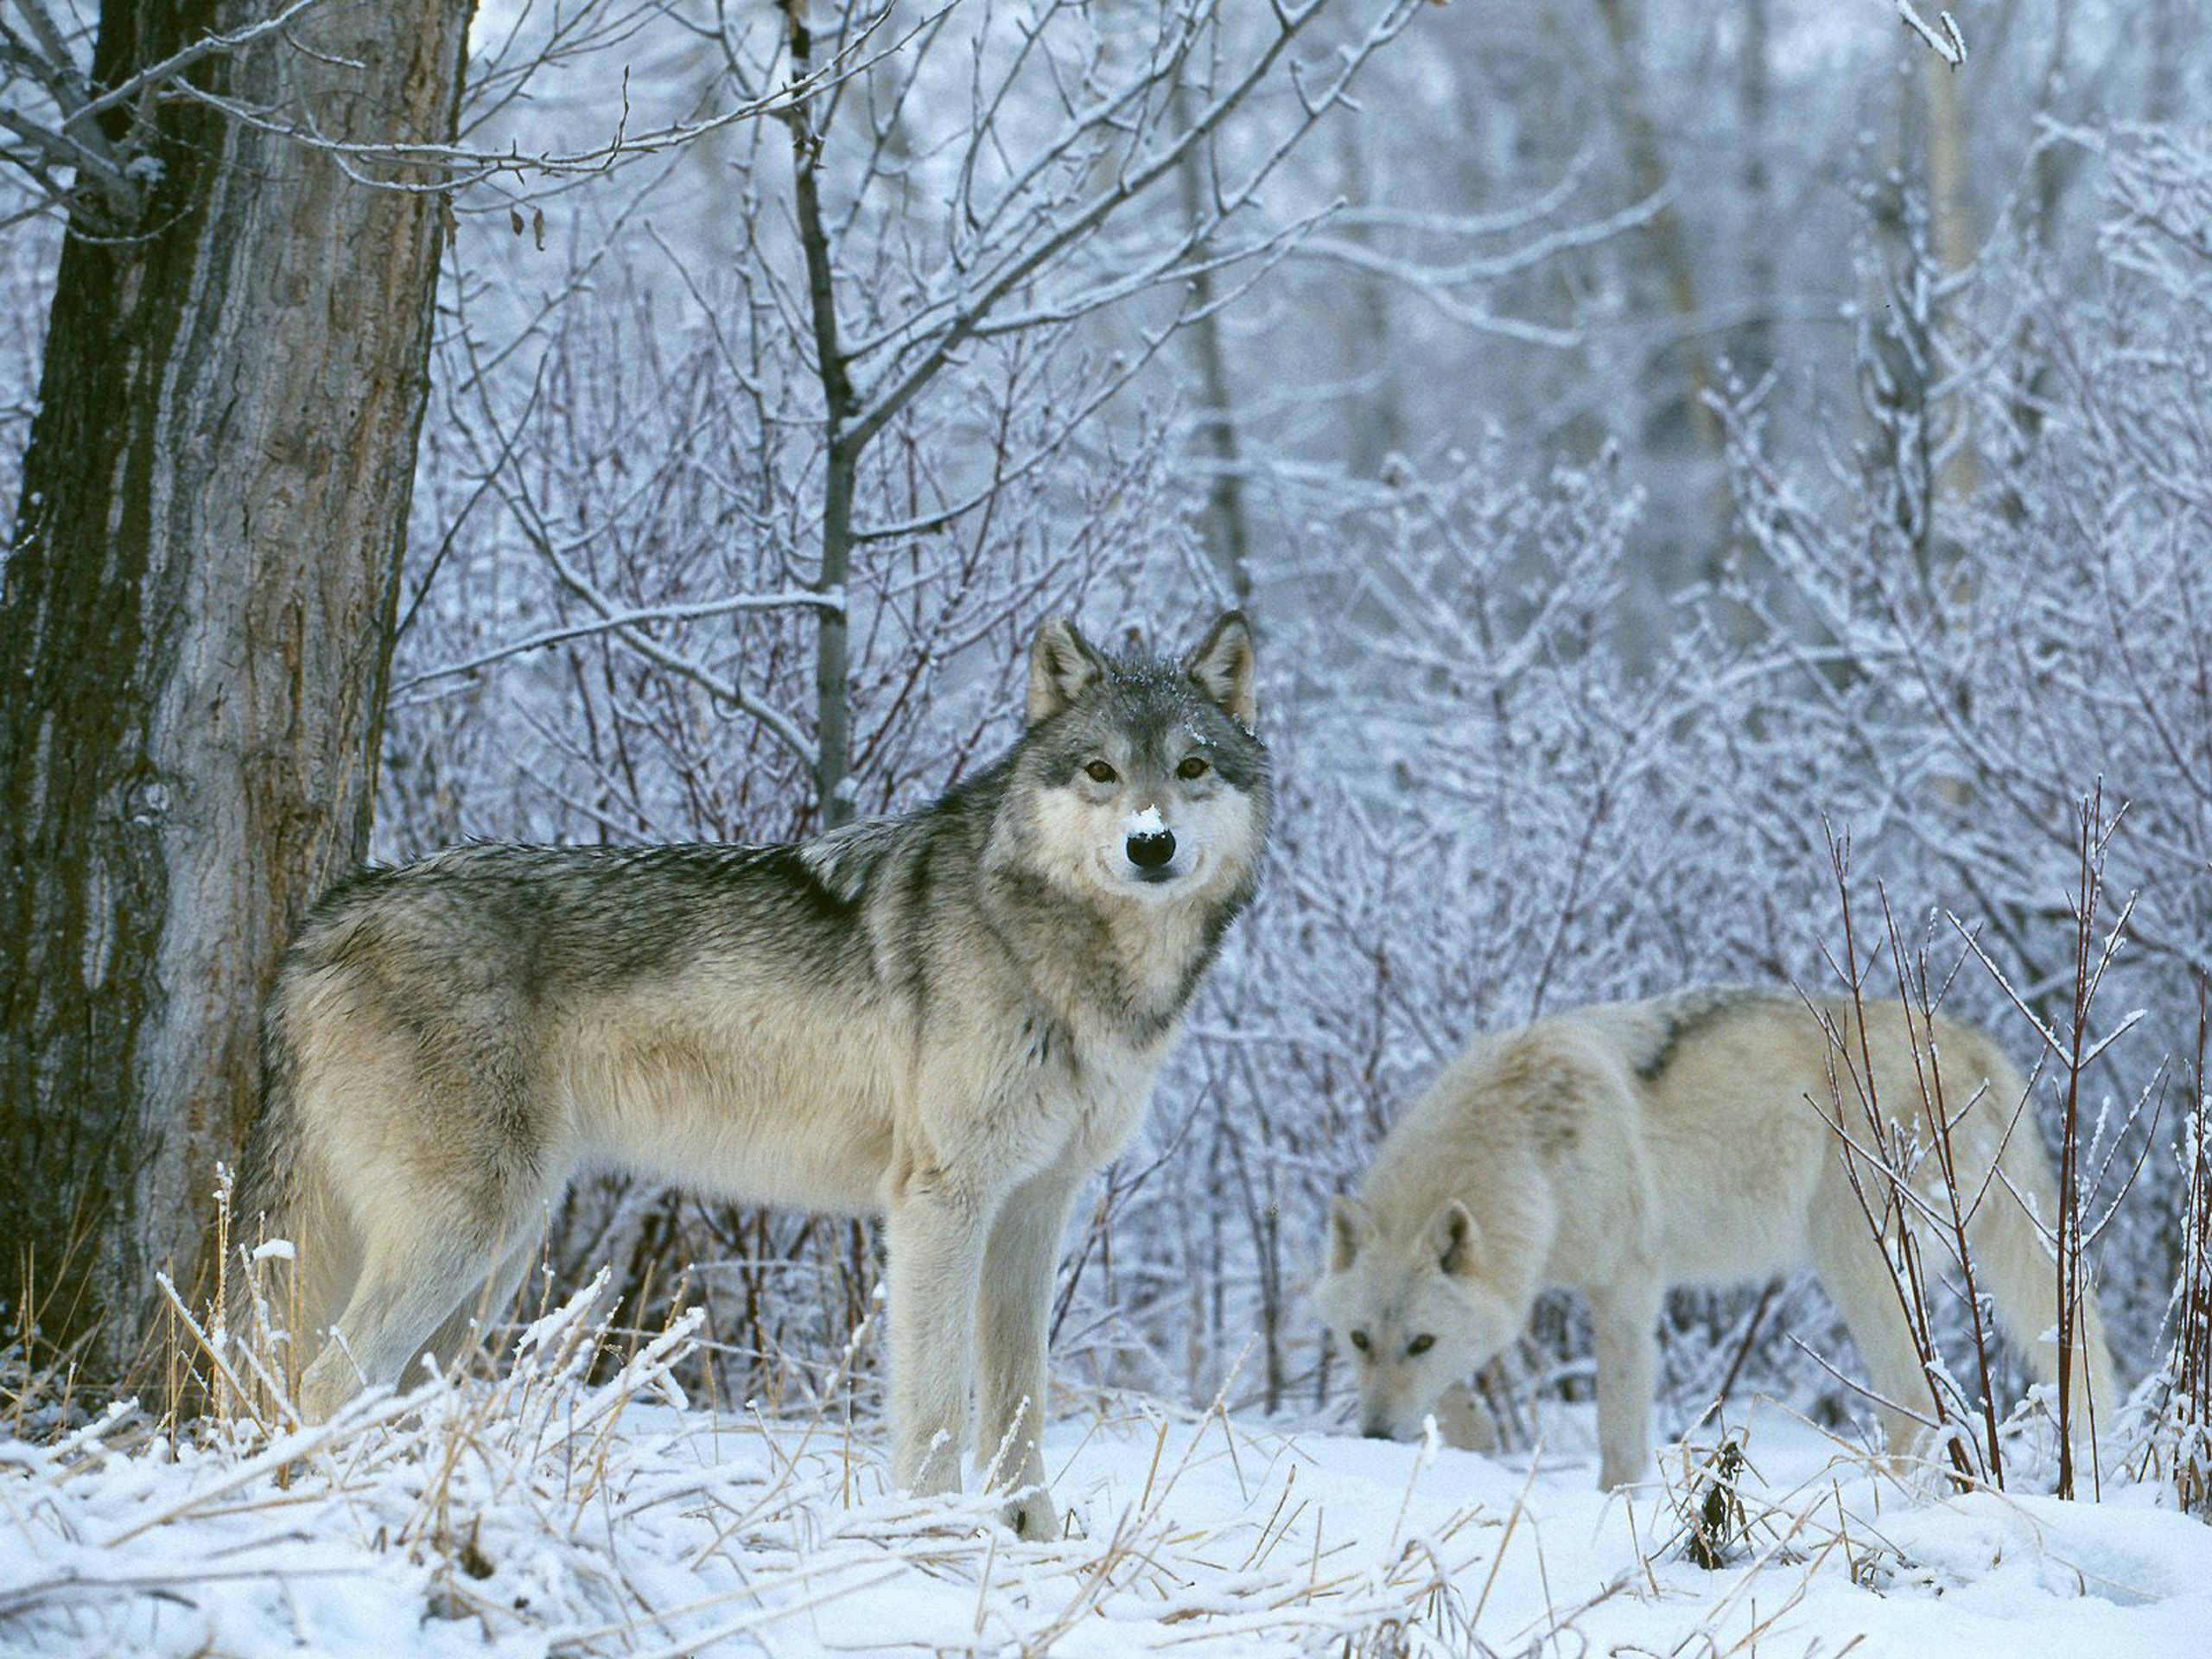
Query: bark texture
[196, 625]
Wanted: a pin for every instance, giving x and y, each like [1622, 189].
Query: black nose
[1374, 1433]
[1149, 852]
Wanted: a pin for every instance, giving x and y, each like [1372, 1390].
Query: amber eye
[1420, 1345]
[1194, 765]
[1359, 1340]
[1101, 773]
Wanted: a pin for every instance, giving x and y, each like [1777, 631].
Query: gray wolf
[951, 1019]
[1691, 1140]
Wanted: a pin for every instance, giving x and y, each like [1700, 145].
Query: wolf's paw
[1032, 1517]
[1614, 1473]
[1464, 1421]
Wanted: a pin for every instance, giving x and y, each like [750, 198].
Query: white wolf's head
[1418, 1315]
[1142, 777]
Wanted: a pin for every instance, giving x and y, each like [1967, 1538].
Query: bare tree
[200, 595]
[196, 618]
[1060, 143]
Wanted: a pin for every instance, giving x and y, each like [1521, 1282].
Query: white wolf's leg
[935, 1236]
[1624, 1317]
[1850, 1266]
[1465, 1420]
[1019, 1269]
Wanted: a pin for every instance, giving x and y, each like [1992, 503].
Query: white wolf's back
[1738, 1151]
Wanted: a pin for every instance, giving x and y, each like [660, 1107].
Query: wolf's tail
[2018, 1268]
[283, 1193]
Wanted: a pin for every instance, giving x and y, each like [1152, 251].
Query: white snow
[544, 1512]
[1146, 823]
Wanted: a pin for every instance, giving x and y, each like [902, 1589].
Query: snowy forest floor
[547, 1514]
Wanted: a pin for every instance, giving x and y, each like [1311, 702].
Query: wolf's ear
[1451, 1236]
[1061, 664]
[1350, 1230]
[1222, 666]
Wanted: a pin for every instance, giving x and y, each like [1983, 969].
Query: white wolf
[1691, 1140]
[952, 1019]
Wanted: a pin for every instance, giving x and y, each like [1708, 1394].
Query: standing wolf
[1691, 1140]
[952, 1019]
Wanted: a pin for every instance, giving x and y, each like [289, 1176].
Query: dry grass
[646, 1526]
[571, 1499]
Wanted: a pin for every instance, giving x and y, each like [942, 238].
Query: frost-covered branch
[1947, 44]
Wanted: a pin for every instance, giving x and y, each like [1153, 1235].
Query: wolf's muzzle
[1152, 853]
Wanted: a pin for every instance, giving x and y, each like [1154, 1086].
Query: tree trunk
[1668, 242]
[841, 450]
[1944, 134]
[1364, 326]
[197, 627]
[1753, 346]
[1223, 525]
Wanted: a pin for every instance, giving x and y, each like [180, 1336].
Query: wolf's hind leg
[471, 1322]
[1020, 1270]
[1849, 1264]
[1625, 1318]
[2020, 1275]
[404, 1294]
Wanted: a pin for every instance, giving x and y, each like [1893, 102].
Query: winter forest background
[1658, 445]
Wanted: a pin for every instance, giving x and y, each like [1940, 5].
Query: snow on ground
[543, 1515]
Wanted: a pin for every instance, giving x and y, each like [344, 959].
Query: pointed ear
[1350, 1230]
[1451, 1237]
[1222, 666]
[1061, 663]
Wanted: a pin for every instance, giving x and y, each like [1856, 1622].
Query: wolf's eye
[1359, 1340]
[1101, 773]
[1420, 1345]
[1194, 765]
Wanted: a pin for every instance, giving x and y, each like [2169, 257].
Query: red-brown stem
[1912, 992]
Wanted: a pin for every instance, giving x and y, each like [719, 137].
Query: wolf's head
[1143, 778]
[1418, 1316]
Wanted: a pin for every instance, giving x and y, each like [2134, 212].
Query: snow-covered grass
[548, 1513]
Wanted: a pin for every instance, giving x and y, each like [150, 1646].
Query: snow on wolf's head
[1145, 778]
[1417, 1314]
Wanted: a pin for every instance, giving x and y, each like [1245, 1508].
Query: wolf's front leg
[1019, 1273]
[1624, 1317]
[1465, 1420]
[935, 1235]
